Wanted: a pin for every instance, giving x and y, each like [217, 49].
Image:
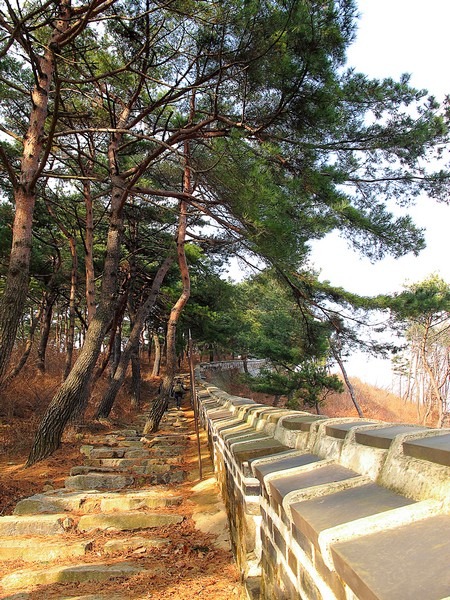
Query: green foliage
[306, 387]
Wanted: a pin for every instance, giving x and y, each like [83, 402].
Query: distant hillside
[375, 403]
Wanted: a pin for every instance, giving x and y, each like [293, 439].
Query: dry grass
[376, 403]
[25, 400]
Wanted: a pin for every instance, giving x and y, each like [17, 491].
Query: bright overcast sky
[395, 37]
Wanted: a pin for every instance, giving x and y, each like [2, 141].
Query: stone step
[135, 544]
[98, 481]
[38, 549]
[35, 525]
[107, 452]
[28, 578]
[127, 521]
[84, 470]
[62, 500]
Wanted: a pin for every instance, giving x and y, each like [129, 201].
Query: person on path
[178, 391]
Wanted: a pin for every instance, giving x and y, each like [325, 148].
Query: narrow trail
[132, 522]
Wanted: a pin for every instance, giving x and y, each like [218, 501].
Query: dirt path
[183, 554]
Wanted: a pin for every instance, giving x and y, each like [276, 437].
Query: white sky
[395, 37]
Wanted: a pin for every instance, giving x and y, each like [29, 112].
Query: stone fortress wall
[324, 508]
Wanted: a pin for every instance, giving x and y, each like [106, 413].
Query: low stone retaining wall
[325, 508]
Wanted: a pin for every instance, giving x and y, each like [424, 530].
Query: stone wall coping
[275, 504]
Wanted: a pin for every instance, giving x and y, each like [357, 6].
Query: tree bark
[73, 290]
[348, 383]
[162, 401]
[73, 393]
[157, 359]
[26, 353]
[46, 321]
[135, 378]
[108, 399]
[89, 250]
[32, 163]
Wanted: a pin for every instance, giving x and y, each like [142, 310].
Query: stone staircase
[104, 529]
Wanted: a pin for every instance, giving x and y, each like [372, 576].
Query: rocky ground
[116, 515]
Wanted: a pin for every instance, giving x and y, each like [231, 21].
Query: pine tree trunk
[26, 353]
[161, 403]
[72, 395]
[50, 299]
[135, 378]
[73, 290]
[157, 359]
[337, 356]
[89, 253]
[16, 285]
[108, 399]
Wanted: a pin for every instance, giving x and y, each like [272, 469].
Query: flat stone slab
[39, 549]
[98, 481]
[301, 423]
[138, 500]
[127, 521]
[55, 501]
[400, 564]
[218, 415]
[136, 453]
[275, 415]
[340, 430]
[434, 449]
[313, 516]
[33, 525]
[86, 502]
[283, 464]
[119, 464]
[107, 452]
[244, 436]
[169, 450]
[384, 436]
[281, 487]
[84, 469]
[69, 574]
[134, 544]
[125, 433]
[245, 451]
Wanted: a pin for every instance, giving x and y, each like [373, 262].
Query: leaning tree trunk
[162, 401]
[108, 399]
[32, 163]
[26, 353]
[73, 392]
[351, 390]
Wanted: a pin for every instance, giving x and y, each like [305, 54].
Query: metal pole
[194, 403]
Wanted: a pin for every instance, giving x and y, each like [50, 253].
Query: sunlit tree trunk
[157, 358]
[32, 163]
[162, 401]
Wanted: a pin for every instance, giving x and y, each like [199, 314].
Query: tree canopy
[109, 106]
